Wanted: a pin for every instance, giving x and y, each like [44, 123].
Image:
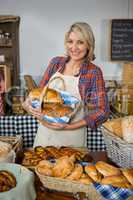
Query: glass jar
[122, 99]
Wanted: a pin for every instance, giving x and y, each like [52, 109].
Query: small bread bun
[115, 126]
[109, 180]
[93, 173]
[107, 169]
[128, 173]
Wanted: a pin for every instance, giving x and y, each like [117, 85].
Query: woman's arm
[99, 111]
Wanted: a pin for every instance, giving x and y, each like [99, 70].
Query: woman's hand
[75, 125]
[54, 126]
[35, 112]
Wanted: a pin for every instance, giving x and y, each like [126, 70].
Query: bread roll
[127, 128]
[51, 96]
[128, 173]
[114, 126]
[107, 169]
[93, 173]
[109, 180]
[122, 185]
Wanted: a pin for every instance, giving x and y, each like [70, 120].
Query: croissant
[63, 167]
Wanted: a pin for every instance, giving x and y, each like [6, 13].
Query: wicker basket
[64, 185]
[15, 141]
[118, 150]
[27, 105]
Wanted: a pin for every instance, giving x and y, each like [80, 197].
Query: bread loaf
[127, 129]
[107, 169]
[93, 173]
[51, 96]
[128, 173]
[114, 126]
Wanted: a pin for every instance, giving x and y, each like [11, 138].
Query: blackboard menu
[122, 40]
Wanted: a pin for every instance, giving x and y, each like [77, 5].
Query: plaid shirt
[91, 87]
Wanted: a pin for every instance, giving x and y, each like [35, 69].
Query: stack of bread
[121, 127]
[102, 172]
[52, 102]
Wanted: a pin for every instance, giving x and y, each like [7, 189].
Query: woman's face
[76, 47]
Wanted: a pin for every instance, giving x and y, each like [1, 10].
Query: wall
[44, 22]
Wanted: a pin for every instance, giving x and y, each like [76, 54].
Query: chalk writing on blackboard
[122, 40]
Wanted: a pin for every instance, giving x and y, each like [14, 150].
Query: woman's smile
[76, 47]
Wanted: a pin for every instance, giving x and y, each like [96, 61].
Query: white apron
[50, 137]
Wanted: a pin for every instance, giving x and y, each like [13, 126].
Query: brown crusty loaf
[128, 173]
[51, 96]
[114, 126]
[107, 169]
[93, 173]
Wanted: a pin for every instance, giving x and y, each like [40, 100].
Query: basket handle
[47, 86]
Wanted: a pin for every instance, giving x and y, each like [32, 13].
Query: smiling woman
[82, 79]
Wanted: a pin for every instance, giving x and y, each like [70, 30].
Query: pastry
[45, 167]
[76, 173]
[63, 167]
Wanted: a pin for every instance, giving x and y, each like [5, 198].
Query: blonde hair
[86, 34]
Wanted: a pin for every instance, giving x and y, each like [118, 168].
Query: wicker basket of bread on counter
[118, 137]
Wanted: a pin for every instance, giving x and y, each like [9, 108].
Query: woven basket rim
[115, 137]
[64, 185]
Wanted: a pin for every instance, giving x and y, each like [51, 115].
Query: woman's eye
[80, 42]
[69, 41]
